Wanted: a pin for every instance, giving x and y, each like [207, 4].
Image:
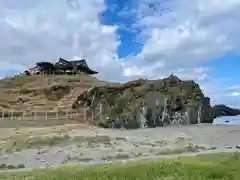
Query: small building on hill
[62, 67]
[77, 66]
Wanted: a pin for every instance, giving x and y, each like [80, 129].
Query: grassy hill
[26, 93]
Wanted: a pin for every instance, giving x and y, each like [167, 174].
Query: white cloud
[234, 88]
[235, 94]
[45, 30]
[234, 91]
[222, 94]
[191, 33]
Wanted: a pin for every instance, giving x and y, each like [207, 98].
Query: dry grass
[56, 92]
[189, 148]
[12, 140]
[25, 138]
[19, 93]
[92, 142]
[27, 131]
[118, 156]
[20, 142]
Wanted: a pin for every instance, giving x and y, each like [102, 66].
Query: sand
[35, 147]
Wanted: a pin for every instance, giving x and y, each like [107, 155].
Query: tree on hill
[46, 66]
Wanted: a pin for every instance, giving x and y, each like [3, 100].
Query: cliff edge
[150, 103]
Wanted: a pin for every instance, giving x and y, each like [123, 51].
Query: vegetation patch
[9, 166]
[27, 91]
[92, 142]
[56, 92]
[189, 148]
[204, 167]
[19, 142]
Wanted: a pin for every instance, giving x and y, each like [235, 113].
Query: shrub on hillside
[56, 92]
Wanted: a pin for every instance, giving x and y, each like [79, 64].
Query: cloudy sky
[127, 39]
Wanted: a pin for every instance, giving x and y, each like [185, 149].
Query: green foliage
[123, 104]
[27, 91]
[204, 167]
[46, 66]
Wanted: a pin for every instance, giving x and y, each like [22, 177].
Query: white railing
[41, 115]
[83, 114]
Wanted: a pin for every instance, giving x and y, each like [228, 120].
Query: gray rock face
[145, 103]
[156, 115]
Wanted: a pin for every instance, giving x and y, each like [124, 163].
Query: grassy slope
[19, 93]
[205, 167]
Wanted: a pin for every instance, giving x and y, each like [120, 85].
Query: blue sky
[128, 35]
[128, 39]
[227, 66]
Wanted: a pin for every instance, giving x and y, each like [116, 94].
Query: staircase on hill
[66, 102]
[37, 108]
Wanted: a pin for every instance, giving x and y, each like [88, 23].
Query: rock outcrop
[148, 103]
[222, 110]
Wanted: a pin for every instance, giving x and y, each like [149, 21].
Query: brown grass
[91, 142]
[56, 92]
[20, 92]
[26, 138]
[20, 142]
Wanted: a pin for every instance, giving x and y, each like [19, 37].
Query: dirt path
[44, 147]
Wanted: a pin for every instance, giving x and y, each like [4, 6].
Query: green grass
[205, 167]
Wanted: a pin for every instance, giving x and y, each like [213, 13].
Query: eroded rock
[146, 103]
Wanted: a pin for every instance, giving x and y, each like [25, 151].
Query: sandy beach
[26, 147]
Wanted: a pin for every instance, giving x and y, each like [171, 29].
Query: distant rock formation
[223, 110]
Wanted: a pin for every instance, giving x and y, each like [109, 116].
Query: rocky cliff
[146, 103]
[223, 110]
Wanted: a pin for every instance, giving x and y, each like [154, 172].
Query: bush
[57, 92]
